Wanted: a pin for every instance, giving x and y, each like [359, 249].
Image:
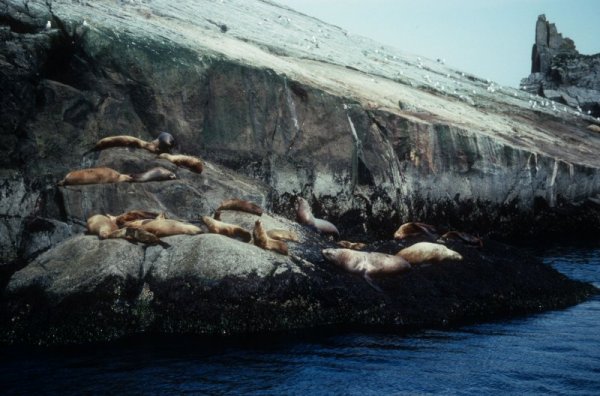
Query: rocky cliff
[279, 104]
[560, 73]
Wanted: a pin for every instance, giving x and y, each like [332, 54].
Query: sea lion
[166, 227]
[414, 229]
[102, 225]
[283, 235]
[262, 240]
[352, 245]
[241, 205]
[94, 176]
[427, 251]
[164, 142]
[120, 141]
[132, 215]
[155, 174]
[141, 235]
[366, 263]
[593, 128]
[230, 230]
[462, 236]
[305, 216]
[192, 163]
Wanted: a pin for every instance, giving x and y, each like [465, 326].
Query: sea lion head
[331, 255]
[166, 141]
[303, 211]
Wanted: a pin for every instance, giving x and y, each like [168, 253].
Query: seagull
[48, 25]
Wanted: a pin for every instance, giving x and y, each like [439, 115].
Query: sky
[490, 38]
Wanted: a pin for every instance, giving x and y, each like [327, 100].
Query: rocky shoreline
[371, 138]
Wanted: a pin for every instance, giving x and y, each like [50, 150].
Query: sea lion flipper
[164, 244]
[371, 283]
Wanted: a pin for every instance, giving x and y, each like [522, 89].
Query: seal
[305, 216]
[187, 161]
[155, 174]
[166, 227]
[463, 237]
[163, 143]
[263, 241]
[427, 251]
[366, 263]
[407, 230]
[103, 226]
[230, 230]
[241, 205]
[94, 176]
[352, 245]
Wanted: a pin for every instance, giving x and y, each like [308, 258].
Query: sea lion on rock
[241, 205]
[164, 142]
[262, 240]
[102, 225]
[94, 176]
[427, 251]
[305, 216]
[366, 263]
[141, 235]
[192, 163]
[230, 230]
[415, 229]
[132, 215]
[155, 174]
[352, 245]
[167, 227]
[462, 236]
[593, 128]
[283, 235]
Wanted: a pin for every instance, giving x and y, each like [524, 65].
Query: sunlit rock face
[278, 104]
[560, 73]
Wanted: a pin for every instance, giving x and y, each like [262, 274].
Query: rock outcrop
[279, 105]
[560, 73]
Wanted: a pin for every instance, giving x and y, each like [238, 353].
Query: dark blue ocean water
[551, 353]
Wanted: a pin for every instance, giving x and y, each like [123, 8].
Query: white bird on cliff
[48, 25]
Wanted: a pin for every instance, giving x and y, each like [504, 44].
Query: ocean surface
[555, 352]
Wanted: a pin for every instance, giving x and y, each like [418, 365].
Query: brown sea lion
[415, 229]
[94, 176]
[283, 235]
[155, 174]
[102, 225]
[305, 216]
[132, 215]
[120, 141]
[262, 240]
[192, 163]
[143, 236]
[462, 236]
[366, 263]
[352, 245]
[166, 227]
[241, 205]
[427, 251]
[230, 230]
[164, 142]
[593, 128]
